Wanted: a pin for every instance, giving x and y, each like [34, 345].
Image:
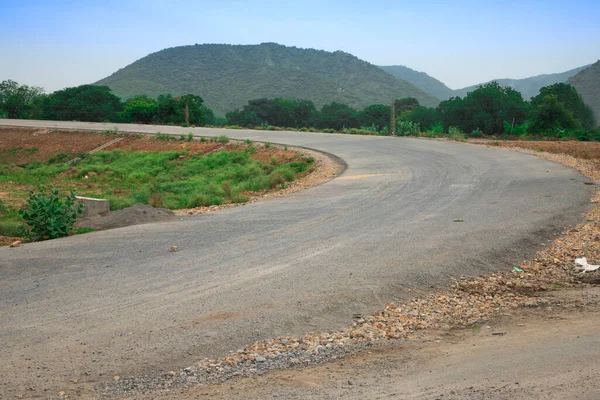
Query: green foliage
[267, 145]
[477, 133]
[405, 104]
[82, 103]
[338, 116]
[407, 128]
[377, 115]
[571, 100]
[20, 101]
[228, 76]
[222, 139]
[485, 108]
[456, 134]
[47, 216]
[164, 136]
[516, 129]
[140, 109]
[426, 117]
[190, 137]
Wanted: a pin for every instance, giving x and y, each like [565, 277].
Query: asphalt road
[84, 308]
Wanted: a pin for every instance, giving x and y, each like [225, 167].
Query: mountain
[587, 83]
[421, 80]
[227, 76]
[528, 87]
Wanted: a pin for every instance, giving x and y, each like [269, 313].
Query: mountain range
[227, 76]
[587, 83]
[528, 87]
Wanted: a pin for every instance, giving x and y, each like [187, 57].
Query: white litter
[585, 267]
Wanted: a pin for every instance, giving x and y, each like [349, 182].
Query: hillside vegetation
[421, 80]
[529, 87]
[587, 83]
[227, 76]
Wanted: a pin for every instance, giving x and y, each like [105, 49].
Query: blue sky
[55, 44]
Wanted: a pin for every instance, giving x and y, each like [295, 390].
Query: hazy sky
[60, 43]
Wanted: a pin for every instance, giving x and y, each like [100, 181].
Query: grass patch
[172, 179]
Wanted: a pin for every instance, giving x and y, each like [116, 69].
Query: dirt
[514, 356]
[134, 215]
[584, 150]
[25, 145]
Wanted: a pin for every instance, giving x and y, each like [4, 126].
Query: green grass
[164, 179]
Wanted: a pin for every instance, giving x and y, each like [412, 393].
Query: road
[84, 308]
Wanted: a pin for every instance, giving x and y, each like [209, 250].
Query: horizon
[72, 43]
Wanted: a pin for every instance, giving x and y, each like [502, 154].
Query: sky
[61, 43]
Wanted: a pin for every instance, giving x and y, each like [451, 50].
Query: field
[162, 171]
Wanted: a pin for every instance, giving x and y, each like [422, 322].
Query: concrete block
[93, 207]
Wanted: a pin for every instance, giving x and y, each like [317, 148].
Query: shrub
[47, 216]
[163, 136]
[477, 133]
[275, 179]
[222, 139]
[267, 145]
[407, 128]
[3, 207]
[454, 133]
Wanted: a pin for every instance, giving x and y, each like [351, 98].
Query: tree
[571, 100]
[377, 115]
[82, 103]
[485, 108]
[405, 104]
[550, 115]
[141, 109]
[426, 117]
[20, 101]
[338, 116]
[194, 104]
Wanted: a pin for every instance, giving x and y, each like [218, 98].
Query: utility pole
[393, 118]
[187, 114]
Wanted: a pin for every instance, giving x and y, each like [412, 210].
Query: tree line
[91, 103]
[557, 111]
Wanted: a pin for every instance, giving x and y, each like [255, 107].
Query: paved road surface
[119, 303]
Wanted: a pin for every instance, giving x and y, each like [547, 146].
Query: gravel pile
[467, 303]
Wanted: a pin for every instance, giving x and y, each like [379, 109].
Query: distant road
[117, 302]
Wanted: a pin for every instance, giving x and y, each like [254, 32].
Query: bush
[407, 128]
[10, 228]
[477, 133]
[222, 139]
[454, 133]
[47, 216]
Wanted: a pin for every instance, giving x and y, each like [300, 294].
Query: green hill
[421, 80]
[227, 76]
[587, 83]
[528, 87]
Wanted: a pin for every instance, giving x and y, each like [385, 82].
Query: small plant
[182, 138]
[203, 140]
[407, 128]
[266, 127]
[248, 142]
[222, 139]
[454, 133]
[184, 125]
[3, 208]
[111, 132]
[190, 137]
[163, 136]
[47, 216]
[477, 133]
[267, 145]
[285, 148]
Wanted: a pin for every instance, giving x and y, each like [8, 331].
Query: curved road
[84, 308]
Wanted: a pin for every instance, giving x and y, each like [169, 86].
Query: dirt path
[541, 353]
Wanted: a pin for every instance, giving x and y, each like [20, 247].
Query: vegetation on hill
[529, 87]
[421, 80]
[228, 76]
[587, 83]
